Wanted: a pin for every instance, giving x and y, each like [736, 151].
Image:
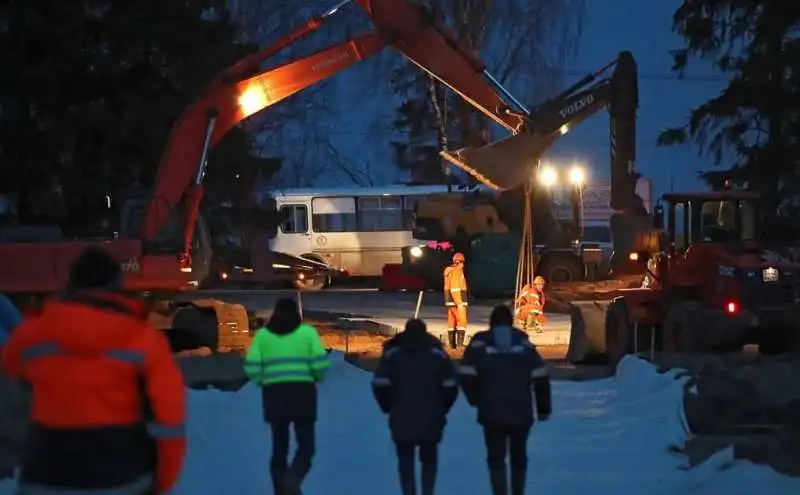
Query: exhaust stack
[504, 164]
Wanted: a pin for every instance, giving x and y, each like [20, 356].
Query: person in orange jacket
[108, 405]
[456, 301]
[530, 306]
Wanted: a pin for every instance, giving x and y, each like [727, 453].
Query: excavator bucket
[504, 164]
[587, 330]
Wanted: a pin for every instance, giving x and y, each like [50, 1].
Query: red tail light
[732, 307]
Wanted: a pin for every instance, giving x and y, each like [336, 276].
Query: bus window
[334, 215]
[380, 214]
[295, 219]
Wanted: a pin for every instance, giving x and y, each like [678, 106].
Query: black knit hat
[95, 268]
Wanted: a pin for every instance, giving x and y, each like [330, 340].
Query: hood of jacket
[92, 322]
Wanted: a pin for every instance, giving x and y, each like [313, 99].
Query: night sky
[610, 26]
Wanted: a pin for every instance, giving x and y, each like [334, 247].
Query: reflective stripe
[461, 328]
[464, 304]
[391, 352]
[45, 349]
[514, 349]
[138, 487]
[539, 372]
[160, 430]
[455, 290]
[438, 352]
[477, 343]
[50, 349]
[467, 370]
[381, 381]
[127, 356]
[449, 304]
[449, 383]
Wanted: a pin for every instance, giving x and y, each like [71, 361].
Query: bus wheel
[309, 284]
[312, 284]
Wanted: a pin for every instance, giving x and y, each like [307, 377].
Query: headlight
[415, 252]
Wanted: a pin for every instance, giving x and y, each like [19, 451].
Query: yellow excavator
[509, 167]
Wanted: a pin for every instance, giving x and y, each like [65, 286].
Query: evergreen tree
[91, 89]
[751, 127]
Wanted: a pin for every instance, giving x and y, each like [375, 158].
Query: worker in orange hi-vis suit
[530, 306]
[455, 300]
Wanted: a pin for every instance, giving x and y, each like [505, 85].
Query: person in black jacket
[415, 384]
[499, 374]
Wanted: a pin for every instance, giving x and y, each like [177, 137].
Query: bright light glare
[563, 129]
[548, 176]
[252, 100]
[416, 252]
[577, 176]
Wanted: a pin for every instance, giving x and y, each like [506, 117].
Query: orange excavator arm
[425, 43]
[205, 122]
[242, 90]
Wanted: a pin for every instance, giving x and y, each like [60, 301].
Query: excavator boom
[509, 162]
[422, 41]
[241, 91]
[214, 114]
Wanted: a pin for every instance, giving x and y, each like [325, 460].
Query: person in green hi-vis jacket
[286, 359]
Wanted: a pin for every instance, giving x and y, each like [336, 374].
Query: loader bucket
[587, 330]
[504, 164]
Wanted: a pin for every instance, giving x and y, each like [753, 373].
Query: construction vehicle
[709, 282]
[162, 250]
[558, 253]
[710, 285]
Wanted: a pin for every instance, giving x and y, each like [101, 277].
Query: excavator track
[203, 323]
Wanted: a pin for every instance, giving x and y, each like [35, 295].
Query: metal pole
[653, 344]
[335, 8]
[635, 339]
[300, 304]
[506, 92]
[201, 167]
[419, 304]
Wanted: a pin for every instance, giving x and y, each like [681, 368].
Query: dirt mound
[559, 296]
[753, 406]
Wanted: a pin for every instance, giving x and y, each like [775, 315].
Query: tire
[619, 334]
[311, 284]
[561, 268]
[677, 333]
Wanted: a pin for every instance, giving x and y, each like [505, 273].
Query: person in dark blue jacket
[10, 318]
[501, 374]
[415, 384]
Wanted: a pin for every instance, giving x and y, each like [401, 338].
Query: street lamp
[577, 177]
[548, 176]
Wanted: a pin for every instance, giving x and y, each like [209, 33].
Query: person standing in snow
[108, 404]
[415, 384]
[501, 374]
[286, 359]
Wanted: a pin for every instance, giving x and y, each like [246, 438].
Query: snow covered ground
[605, 437]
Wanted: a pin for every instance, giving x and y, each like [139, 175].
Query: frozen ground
[606, 437]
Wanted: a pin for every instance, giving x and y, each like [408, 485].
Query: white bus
[358, 229]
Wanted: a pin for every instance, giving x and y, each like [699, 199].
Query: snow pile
[606, 437]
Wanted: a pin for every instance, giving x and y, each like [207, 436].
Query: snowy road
[606, 437]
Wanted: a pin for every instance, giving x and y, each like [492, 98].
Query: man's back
[415, 384]
[499, 371]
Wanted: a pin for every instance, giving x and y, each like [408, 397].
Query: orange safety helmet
[538, 280]
[459, 258]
